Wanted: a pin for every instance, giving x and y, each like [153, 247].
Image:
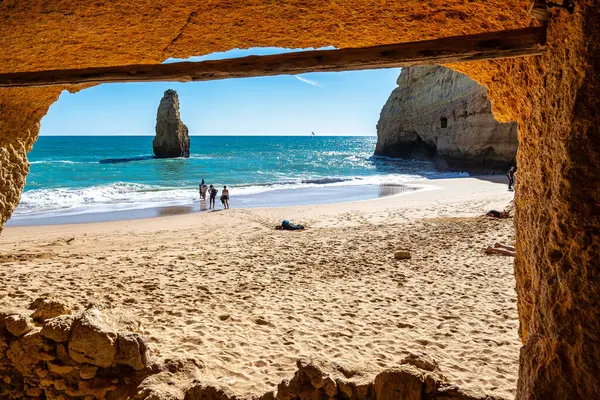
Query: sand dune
[246, 301]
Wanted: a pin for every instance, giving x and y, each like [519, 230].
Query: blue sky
[342, 103]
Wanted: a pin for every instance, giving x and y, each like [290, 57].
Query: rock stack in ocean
[172, 139]
[441, 115]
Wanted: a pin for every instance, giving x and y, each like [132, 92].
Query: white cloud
[301, 79]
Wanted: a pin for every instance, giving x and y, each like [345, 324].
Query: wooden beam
[485, 46]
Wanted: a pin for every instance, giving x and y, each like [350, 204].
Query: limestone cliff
[441, 115]
[172, 139]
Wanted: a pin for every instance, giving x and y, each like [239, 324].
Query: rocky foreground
[56, 353]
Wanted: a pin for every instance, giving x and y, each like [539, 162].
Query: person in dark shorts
[286, 225]
[511, 178]
[225, 197]
[212, 192]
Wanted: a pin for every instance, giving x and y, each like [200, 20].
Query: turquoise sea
[78, 175]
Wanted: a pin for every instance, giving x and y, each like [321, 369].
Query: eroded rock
[439, 114]
[58, 328]
[18, 324]
[27, 351]
[402, 255]
[38, 363]
[422, 361]
[88, 371]
[60, 369]
[92, 341]
[172, 139]
[399, 383]
[132, 351]
[46, 308]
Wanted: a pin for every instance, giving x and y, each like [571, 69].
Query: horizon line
[215, 134]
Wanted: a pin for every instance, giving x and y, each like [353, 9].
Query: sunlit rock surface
[172, 139]
[442, 115]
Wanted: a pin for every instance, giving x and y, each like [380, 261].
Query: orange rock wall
[20, 113]
[556, 101]
[554, 98]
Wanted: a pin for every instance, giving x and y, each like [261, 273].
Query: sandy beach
[245, 300]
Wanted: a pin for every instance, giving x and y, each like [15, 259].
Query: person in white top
[203, 190]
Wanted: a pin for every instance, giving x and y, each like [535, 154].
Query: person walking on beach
[511, 178]
[203, 188]
[225, 197]
[212, 192]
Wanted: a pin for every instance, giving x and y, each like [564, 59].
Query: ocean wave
[130, 196]
[55, 162]
[119, 195]
[201, 157]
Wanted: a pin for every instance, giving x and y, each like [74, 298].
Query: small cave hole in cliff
[444, 122]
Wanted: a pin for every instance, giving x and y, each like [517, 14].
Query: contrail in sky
[313, 83]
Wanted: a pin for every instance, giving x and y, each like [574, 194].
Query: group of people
[212, 195]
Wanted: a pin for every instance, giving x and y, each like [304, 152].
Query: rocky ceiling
[41, 34]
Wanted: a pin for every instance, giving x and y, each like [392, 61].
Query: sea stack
[441, 115]
[172, 139]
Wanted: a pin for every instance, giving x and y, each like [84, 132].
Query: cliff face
[441, 115]
[172, 139]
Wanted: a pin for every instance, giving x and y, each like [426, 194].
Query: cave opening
[444, 122]
[70, 110]
[69, 113]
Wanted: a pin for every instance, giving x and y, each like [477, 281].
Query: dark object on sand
[497, 214]
[402, 255]
[287, 226]
[506, 213]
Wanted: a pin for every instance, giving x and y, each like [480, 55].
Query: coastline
[277, 198]
[269, 199]
[245, 301]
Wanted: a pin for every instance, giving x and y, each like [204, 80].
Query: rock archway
[555, 98]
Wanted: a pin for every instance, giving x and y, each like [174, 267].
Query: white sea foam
[129, 196]
[54, 162]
